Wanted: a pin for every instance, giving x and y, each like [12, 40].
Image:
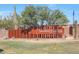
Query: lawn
[24, 47]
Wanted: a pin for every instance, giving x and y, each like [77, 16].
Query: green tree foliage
[6, 23]
[57, 18]
[29, 16]
[35, 16]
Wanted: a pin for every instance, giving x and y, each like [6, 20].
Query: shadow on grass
[1, 50]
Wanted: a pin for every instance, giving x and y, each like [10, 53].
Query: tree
[29, 15]
[7, 23]
[43, 13]
[57, 18]
[15, 18]
[34, 14]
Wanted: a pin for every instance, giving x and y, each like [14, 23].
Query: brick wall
[39, 32]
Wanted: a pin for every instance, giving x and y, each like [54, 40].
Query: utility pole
[75, 29]
[73, 16]
[74, 26]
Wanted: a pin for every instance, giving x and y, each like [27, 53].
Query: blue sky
[7, 9]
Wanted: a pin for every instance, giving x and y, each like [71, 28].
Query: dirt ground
[58, 40]
[40, 46]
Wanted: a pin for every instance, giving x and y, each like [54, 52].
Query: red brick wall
[39, 32]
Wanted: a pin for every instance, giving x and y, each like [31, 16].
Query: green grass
[21, 47]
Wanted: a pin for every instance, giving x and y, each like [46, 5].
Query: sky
[67, 9]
